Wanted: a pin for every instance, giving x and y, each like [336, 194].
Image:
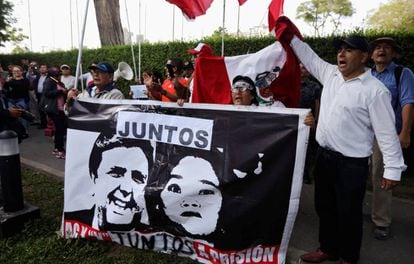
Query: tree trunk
[109, 22]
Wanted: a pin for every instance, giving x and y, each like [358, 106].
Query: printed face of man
[191, 197]
[122, 176]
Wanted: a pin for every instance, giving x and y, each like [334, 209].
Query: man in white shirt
[66, 78]
[355, 106]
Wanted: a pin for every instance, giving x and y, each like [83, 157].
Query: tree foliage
[398, 15]
[109, 22]
[318, 13]
[7, 32]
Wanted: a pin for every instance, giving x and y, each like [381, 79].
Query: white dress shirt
[42, 79]
[352, 112]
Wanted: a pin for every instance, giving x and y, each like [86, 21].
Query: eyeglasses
[239, 89]
[240, 86]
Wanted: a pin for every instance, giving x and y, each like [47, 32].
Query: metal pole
[10, 173]
[223, 28]
[238, 20]
[173, 24]
[30, 25]
[130, 39]
[81, 45]
[71, 28]
[139, 41]
[77, 21]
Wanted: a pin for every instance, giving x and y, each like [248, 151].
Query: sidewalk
[36, 154]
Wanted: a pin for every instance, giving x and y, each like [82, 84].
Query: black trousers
[42, 113]
[340, 184]
[59, 119]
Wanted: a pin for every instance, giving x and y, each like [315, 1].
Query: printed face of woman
[191, 197]
[122, 176]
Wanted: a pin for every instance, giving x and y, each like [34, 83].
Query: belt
[328, 153]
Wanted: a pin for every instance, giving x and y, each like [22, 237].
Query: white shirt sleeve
[312, 62]
[386, 135]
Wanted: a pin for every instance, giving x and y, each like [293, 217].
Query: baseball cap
[102, 66]
[64, 66]
[201, 47]
[388, 40]
[355, 42]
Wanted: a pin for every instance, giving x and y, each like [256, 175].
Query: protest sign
[215, 183]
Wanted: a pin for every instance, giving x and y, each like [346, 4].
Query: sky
[57, 24]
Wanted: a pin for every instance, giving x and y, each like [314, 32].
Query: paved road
[36, 154]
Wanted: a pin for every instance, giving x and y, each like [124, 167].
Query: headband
[241, 84]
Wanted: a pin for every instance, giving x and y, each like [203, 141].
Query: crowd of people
[361, 120]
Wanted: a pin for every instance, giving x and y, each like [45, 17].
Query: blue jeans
[22, 104]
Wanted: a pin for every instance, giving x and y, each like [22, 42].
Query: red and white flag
[275, 11]
[192, 8]
[272, 69]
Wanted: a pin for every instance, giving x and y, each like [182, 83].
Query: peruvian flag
[192, 8]
[213, 75]
[275, 11]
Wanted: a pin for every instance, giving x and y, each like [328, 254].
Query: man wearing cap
[355, 107]
[201, 49]
[384, 51]
[66, 78]
[104, 87]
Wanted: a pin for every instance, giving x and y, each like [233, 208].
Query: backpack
[397, 74]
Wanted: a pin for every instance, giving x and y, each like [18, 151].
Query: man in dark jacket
[37, 86]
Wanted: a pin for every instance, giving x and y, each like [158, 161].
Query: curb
[33, 165]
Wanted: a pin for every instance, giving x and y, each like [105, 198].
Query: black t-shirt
[16, 89]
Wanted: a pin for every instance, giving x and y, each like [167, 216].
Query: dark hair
[253, 92]
[188, 65]
[168, 157]
[177, 62]
[106, 142]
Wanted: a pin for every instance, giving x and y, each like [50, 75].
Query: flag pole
[173, 23]
[130, 39]
[223, 28]
[81, 45]
[238, 20]
[139, 40]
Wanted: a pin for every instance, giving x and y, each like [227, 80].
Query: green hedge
[154, 55]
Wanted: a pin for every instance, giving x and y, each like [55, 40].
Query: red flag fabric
[192, 8]
[242, 2]
[275, 11]
[272, 69]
